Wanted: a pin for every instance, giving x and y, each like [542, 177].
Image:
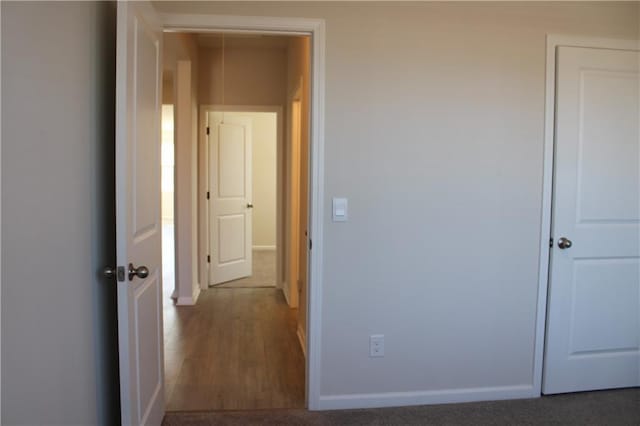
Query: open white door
[138, 226]
[230, 177]
[593, 322]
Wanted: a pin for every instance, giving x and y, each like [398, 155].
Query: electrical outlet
[376, 345]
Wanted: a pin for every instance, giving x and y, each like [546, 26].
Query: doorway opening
[167, 173]
[235, 322]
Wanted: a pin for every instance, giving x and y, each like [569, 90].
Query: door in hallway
[230, 217]
[593, 319]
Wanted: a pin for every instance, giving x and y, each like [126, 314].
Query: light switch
[340, 210]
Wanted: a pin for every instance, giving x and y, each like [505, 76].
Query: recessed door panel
[232, 239]
[149, 353]
[605, 313]
[607, 148]
[232, 173]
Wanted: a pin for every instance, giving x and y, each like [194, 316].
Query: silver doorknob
[564, 243]
[140, 272]
[109, 272]
[249, 205]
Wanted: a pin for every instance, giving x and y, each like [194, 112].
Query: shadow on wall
[104, 211]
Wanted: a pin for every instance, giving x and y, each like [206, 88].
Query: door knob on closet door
[564, 243]
[249, 205]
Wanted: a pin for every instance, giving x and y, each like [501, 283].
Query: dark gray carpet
[616, 407]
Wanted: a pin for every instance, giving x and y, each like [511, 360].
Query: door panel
[231, 165]
[608, 107]
[232, 246]
[593, 323]
[605, 295]
[138, 227]
[230, 187]
[145, 122]
[149, 346]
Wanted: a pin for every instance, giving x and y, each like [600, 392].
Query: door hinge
[208, 130]
[208, 258]
[208, 195]
[551, 242]
[310, 244]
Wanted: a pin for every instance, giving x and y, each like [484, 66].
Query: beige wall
[298, 74]
[180, 57]
[434, 131]
[167, 85]
[167, 161]
[264, 128]
[59, 325]
[251, 76]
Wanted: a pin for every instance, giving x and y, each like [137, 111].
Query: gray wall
[434, 125]
[434, 131]
[59, 337]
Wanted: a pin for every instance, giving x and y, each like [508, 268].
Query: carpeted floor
[615, 407]
[263, 273]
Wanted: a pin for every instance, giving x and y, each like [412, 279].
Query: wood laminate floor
[236, 349]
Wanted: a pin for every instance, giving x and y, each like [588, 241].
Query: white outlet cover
[376, 345]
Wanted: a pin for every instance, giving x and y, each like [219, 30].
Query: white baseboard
[264, 248]
[400, 399]
[189, 300]
[285, 291]
[303, 340]
[185, 301]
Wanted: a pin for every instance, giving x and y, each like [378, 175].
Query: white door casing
[138, 223]
[230, 187]
[593, 318]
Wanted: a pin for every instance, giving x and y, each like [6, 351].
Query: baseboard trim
[285, 291]
[189, 300]
[264, 248]
[185, 301]
[303, 340]
[400, 399]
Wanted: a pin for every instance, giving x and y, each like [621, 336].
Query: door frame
[203, 183]
[315, 28]
[554, 41]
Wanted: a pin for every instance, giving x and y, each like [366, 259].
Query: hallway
[236, 349]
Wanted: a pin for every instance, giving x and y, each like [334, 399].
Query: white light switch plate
[340, 210]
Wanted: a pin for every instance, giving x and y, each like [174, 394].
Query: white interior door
[231, 206]
[593, 322]
[138, 225]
